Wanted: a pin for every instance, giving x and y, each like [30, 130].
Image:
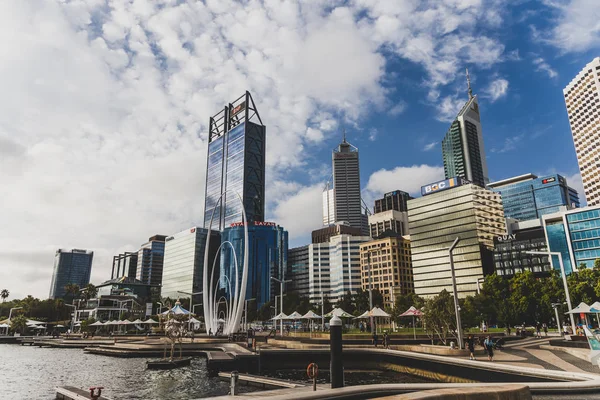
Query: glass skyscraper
[462, 147]
[70, 266]
[268, 252]
[150, 261]
[576, 235]
[528, 197]
[236, 164]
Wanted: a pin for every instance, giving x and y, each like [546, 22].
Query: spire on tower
[469, 85]
[344, 135]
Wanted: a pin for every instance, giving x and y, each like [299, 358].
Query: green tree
[71, 291]
[404, 302]
[90, 291]
[346, 303]
[439, 318]
[525, 292]
[18, 323]
[582, 285]
[493, 304]
[4, 294]
[597, 263]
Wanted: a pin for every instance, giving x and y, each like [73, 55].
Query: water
[28, 372]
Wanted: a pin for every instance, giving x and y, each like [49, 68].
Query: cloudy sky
[104, 106]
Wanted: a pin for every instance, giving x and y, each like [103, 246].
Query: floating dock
[73, 393]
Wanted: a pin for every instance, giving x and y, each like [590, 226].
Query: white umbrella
[125, 322]
[364, 315]
[221, 321]
[138, 321]
[150, 321]
[311, 315]
[194, 321]
[293, 316]
[378, 312]
[59, 326]
[582, 308]
[338, 312]
[4, 326]
[97, 323]
[279, 316]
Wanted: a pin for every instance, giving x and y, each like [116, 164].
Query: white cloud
[510, 144]
[576, 183]
[430, 146]
[373, 132]
[497, 89]
[543, 66]
[397, 109]
[577, 25]
[410, 179]
[448, 108]
[314, 135]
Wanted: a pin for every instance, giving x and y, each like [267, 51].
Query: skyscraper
[341, 198]
[528, 197]
[582, 98]
[70, 266]
[150, 260]
[462, 147]
[236, 164]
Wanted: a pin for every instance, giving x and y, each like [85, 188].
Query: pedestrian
[545, 328]
[488, 344]
[386, 340]
[471, 347]
[375, 338]
[538, 330]
[508, 330]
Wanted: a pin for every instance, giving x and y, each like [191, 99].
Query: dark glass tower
[462, 147]
[236, 164]
[70, 266]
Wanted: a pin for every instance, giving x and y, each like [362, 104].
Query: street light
[564, 278]
[246, 312]
[555, 306]
[456, 307]
[191, 306]
[370, 285]
[11, 310]
[160, 307]
[478, 287]
[72, 315]
[281, 283]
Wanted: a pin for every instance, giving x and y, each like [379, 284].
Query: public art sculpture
[210, 288]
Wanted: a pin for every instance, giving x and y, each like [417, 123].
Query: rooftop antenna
[344, 135]
[469, 85]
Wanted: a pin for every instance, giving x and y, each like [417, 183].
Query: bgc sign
[439, 186]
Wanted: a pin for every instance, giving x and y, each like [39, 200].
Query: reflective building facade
[528, 197]
[469, 212]
[150, 261]
[298, 270]
[184, 261]
[462, 147]
[70, 266]
[236, 164]
[268, 248]
[576, 235]
[125, 264]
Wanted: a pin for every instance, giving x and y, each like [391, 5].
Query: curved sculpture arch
[236, 304]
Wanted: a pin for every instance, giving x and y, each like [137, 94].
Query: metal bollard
[336, 367]
[233, 384]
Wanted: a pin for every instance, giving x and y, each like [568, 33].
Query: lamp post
[558, 325]
[564, 278]
[281, 283]
[246, 312]
[160, 307]
[456, 307]
[11, 310]
[191, 306]
[370, 285]
[72, 315]
[478, 286]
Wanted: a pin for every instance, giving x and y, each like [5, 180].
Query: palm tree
[72, 289]
[90, 291]
[4, 294]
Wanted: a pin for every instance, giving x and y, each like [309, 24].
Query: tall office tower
[528, 197]
[325, 234]
[70, 266]
[183, 264]
[334, 267]
[462, 147]
[448, 210]
[298, 270]
[395, 200]
[341, 198]
[236, 164]
[582, 97]
[125, 265]
[268, 255]
[150, 260]
[388, 259]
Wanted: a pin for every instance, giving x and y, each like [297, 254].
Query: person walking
[375, 339]
[386, 340]
[538, 329]
[545, 329]
[488, 344]
[471, 347]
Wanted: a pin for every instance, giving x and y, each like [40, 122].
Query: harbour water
[32, 373]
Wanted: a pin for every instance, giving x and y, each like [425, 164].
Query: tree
[525, 292]
[439, 317]
[18, 323]
[71, 290]
[4, 294]
[403, 303]
[90, 291]
[346, 303]
[597, 263]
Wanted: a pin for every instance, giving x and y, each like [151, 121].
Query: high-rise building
[323, 235]
[388, 221]
[125, 265]
[298, 270]
[389, 261]
[582, 98]
[527, 197]
[576, 235]
[462, 147]
[395, 200]
[334, 267]
[511, 250]
[70, 266]
[236, 165]
[453, 209]
[341, 198]
[150, 260]
[183, 264]
[268, 254]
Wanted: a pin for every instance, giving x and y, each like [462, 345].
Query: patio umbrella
[293, 317]
[279, 317]
[338, 312]
[59, 326]
[97, 323]
[595, 308]
[310, 315]
[150, 321]
[412, 312]
[177, 309]
[138, 321]
[582, 308]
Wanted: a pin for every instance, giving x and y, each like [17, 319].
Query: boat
[169, 364]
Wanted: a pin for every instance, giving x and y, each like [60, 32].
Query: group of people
[385, 342]
[488, 344]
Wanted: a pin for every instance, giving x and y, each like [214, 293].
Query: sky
[104, 107]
